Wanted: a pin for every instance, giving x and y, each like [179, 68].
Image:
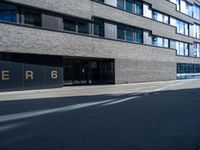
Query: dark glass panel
[69, 25]
[120, 4]
[121, 32]
[129, 34]
[83, 27]
[99, 27]
[32, 18]
[138, 7]
[129, 5]
[8, 12]
[138, 36]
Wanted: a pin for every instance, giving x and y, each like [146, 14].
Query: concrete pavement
[101, 89]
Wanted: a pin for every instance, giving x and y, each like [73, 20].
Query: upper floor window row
[133, 6]
[13, 13]
[118, 31]
[187, 8]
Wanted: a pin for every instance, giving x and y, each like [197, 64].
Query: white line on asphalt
[120, 101]
[170, 85]
[10, 126]
[25, 115]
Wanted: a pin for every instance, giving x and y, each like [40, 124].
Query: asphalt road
[158, 120]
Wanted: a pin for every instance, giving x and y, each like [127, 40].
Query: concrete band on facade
[42, 52]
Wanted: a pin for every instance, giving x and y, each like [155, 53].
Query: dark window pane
[120, 4]
[121, 32]
[129, 34]
[70, 25]
[190, 68]
[129, 5]
[138, 7]
[8, 12]
[32, 18]
[138, 36]
[99, 27]
[83, 27]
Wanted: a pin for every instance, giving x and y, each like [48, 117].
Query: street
[144, 116]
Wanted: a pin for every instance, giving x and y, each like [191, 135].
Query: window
[196, 31]
[189, 9]
[120, 4]
[160, 17]
[158, 41]
[76, 26]
[83, 27]
[138, 36]
[133, 6]
[186, 8]
[188, 68]
[196, 11]
[99, 27]
[192, 10]
[196, 68]
[147, 11]
[69, 25]
[8, 12]
[182, 27]
[138, 7]
[182, 48]
[130, 34]
[121, 32]
[178, 5]
[32, 18]
[129, 5]
[196, 50]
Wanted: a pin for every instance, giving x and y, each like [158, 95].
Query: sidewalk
[96, 90]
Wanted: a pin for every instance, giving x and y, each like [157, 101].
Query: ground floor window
[188, 70]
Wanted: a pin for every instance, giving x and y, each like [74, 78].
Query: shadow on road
[163, 120]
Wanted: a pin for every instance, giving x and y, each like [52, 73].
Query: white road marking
[10, 126]
[171, 85]
[25, 115]
[120, 101]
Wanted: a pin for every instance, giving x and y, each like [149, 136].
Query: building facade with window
[46, 44]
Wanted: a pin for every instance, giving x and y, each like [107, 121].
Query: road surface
[145, 116]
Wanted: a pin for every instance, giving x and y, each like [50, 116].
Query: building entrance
[78, 71]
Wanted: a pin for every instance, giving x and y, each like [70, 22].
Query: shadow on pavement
[163, 120]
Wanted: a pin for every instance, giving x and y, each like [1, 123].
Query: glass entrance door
[80, 72]
[75, 72]
[88, 71]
